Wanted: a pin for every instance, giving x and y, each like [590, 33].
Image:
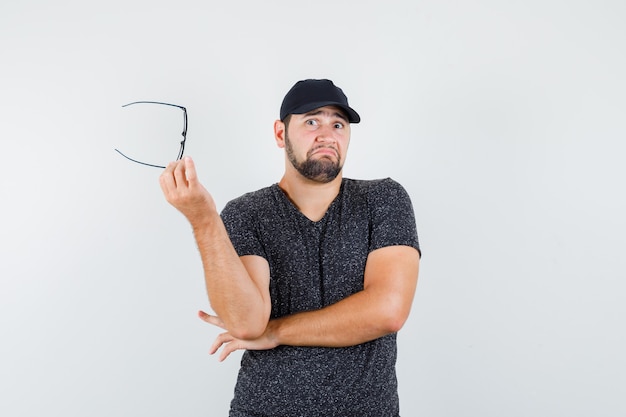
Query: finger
[190, 170]
[214, 320]
[228, 349]
[179, 174]
[166, 180]
[203, 315]
[222, 339]
[215, 345]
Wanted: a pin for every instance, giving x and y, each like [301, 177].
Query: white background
[504, 120]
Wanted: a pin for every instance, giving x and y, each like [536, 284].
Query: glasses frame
[184, 134]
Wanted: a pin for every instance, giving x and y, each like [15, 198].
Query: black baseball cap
[307, 95]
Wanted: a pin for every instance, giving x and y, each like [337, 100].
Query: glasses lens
[152, 133]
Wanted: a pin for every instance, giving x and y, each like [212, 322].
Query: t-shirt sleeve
[240, 222]
[392, 216]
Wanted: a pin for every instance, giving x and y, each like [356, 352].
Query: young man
[312, 276]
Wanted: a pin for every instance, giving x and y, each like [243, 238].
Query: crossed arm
[238, 287]
[380, 308]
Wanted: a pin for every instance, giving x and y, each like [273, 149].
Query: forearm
[232, 293]
[236, 294]
[381, 308]
[357, 319]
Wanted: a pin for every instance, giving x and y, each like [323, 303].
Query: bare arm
[381, 308]
[237, 287]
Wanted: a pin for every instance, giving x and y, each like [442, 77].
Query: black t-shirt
[312, 265]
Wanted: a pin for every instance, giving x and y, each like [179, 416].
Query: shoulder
[391, 215]
[383, 188]
[253, 199]
[250, 206]
[384, 198]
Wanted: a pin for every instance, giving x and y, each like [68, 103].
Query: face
[316, 143]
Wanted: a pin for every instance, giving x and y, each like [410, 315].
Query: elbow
[249, 331]
[393, 316]
[393, 324]
[245, 333]
[247, 322]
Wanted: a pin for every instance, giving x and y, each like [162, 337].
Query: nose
[325, 133]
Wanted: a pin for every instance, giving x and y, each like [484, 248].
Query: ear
[279, 133]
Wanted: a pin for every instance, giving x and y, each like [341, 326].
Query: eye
[311, 122]
[338, 125]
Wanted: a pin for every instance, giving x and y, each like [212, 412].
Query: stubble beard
[321, 170]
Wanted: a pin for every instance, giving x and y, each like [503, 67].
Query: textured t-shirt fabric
[314, 264]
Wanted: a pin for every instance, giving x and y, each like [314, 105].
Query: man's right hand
[182, 189]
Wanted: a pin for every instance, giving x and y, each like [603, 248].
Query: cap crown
[307, 95]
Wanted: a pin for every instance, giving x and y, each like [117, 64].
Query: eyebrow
[319, 111]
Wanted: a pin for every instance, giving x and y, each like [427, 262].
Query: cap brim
[353, 116]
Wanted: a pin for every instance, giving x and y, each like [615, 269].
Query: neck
[310, 197]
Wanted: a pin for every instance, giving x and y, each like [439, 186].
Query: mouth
[325, 151]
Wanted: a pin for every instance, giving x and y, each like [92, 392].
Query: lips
[325, 150]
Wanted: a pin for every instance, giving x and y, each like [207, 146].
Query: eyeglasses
[182, 143]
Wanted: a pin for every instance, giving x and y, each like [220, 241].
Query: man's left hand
[230, 344]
